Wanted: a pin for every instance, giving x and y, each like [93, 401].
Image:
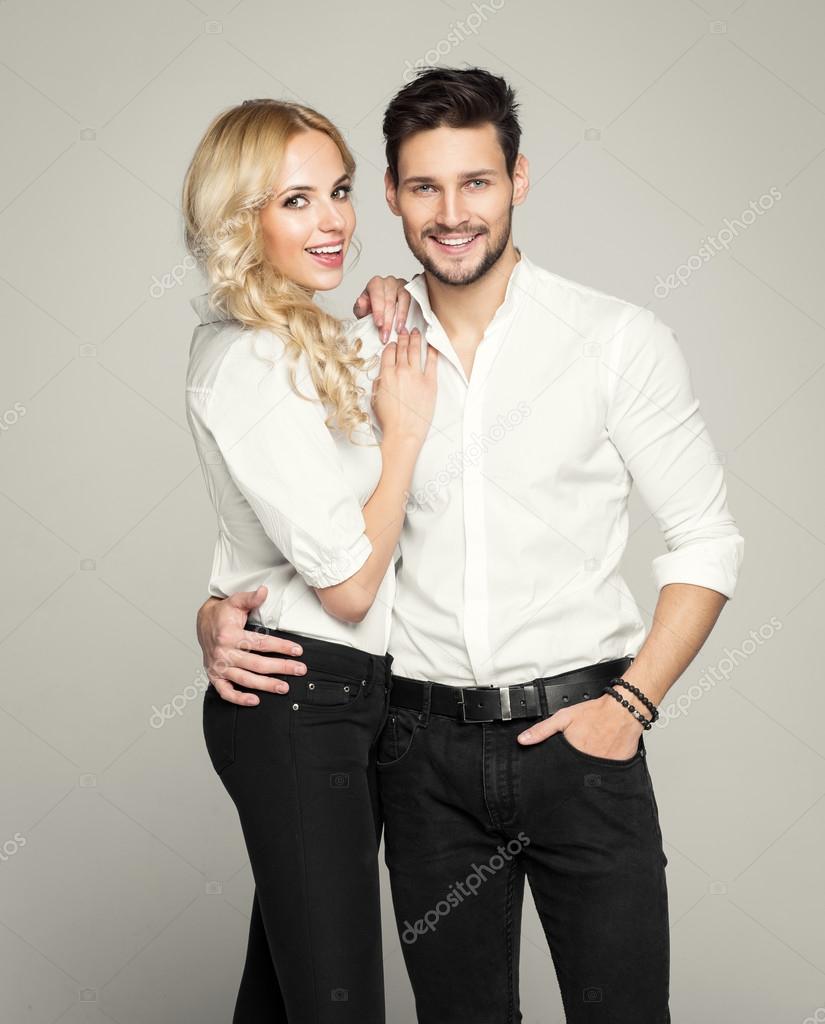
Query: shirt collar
[520, 279]
[207, 313]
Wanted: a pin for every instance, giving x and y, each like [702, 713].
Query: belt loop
[544, 704]
[428, 698]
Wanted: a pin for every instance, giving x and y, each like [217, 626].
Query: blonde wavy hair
[228, 182]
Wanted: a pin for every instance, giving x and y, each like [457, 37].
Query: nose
[451, 209]
[331, 218]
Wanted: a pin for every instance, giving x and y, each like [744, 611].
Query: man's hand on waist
[229, 649]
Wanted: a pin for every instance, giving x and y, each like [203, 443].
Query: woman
[278, 404]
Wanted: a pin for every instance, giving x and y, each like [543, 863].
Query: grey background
[124, 883]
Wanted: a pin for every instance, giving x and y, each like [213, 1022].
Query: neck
[467, 309]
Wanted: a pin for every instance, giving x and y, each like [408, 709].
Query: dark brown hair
[454, 98]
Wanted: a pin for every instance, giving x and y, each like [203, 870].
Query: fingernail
[297, 650]
[300, 669]
[524, 736]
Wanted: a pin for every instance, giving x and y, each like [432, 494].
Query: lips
[456, 244]
[329, 255]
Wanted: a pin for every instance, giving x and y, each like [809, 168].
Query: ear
[391, 193]
[521, 179]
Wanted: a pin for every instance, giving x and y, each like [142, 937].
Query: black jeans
[468, 813]
[300, 769]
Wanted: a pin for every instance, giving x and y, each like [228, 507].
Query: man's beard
[462, 277]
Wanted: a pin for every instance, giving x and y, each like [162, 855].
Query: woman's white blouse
[287, 490]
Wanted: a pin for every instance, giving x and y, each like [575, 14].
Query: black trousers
[468, 814]
[300, 769]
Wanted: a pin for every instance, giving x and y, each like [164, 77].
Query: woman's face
[310, 209]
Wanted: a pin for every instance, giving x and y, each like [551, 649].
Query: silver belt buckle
[463, 705]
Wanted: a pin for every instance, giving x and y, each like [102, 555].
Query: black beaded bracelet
[651, 707]
[646, 723]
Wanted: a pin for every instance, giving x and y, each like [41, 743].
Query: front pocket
[396, 739]
[619, 762]
[220, 719]
[324, 691]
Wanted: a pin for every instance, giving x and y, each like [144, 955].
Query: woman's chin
[324, 280]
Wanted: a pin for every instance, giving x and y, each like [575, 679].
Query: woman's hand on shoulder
[404, 392]
[387, 299]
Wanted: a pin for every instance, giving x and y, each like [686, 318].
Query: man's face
[455, 200]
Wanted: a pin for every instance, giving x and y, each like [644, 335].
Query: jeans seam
[316, 994]
[485, 760]
[508, 917]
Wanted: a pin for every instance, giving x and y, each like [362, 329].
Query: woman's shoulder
[228, 352]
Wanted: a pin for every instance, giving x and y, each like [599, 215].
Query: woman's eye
[294, 199]
[344, 189]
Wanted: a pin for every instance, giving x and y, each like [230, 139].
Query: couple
[417, 620]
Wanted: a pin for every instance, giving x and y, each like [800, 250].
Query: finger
[375, 290]
[540, 731]
[251, 680]
[389, 357]
[390, 293]
[414, 348]
[362, 305]
[233, 696]
[252, 641]
[402, 356]
[402, 307]
[263, 666]
[248, 599]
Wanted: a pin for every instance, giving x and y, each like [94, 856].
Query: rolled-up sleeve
[285, 461]
[655, 423]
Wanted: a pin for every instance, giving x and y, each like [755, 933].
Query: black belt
[539, 698]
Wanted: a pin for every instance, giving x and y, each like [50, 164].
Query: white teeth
[327, 249]
[456, 241]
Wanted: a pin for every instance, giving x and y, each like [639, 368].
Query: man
[510, 611]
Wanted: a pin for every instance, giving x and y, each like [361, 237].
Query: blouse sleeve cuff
[711, 563]
[339, 565]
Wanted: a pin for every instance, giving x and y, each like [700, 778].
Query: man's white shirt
[518, 519]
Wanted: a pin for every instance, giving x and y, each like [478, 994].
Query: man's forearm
[682, 622]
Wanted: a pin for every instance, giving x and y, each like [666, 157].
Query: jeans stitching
[311, 966]
[508, 918]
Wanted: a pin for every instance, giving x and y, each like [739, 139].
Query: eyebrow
[426, 179]
[311, 188]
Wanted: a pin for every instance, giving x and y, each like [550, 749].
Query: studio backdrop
[676, 152]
